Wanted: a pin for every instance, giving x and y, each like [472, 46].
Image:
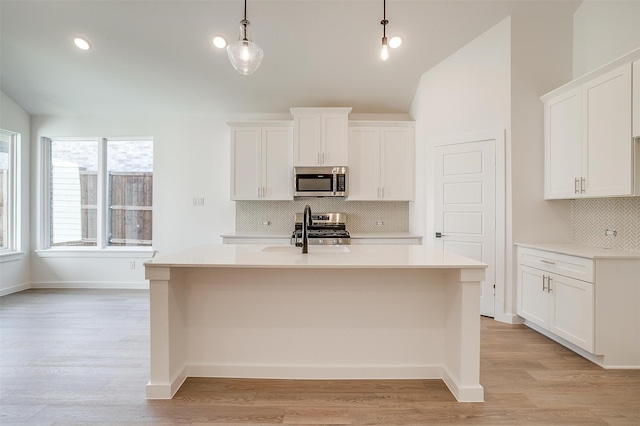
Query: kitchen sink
[312, 249]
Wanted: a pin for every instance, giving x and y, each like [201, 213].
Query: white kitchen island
[338, 312]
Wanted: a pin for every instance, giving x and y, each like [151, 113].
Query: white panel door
[364, 163]
[334, 140]
[563, 146]
[246, 178]
[397, 163]
[572, 310]
[277, 164]
[307, 139]
[608, 147]
[465, 207]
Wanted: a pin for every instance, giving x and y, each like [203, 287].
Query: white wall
[191, 159]
[604, 31]
[495, 82]
[14, 274]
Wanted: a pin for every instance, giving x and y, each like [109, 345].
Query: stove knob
[320, 241]
[335, 242]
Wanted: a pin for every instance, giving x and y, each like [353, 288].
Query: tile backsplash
[590, 218]
[363, 217]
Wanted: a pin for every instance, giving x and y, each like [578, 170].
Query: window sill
[10, 256]
[128, 252]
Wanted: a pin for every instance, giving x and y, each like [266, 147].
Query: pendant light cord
[384, 21]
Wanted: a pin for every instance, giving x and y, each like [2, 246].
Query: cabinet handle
[264, 191]
[544, 282]
[382, 191]
[583, 185]
[323, 158]
[547, 261]
[576, 182]
[549, 285]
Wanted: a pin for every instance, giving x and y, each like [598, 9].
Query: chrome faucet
[307, 221]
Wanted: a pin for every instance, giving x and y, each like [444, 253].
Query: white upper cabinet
[563, 145]
[320, 136]
[589, 149]
[381, 161]
[261, 161]
[636, 99]
[607, 160]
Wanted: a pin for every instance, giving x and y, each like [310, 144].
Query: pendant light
[384, 53]
[244, 55]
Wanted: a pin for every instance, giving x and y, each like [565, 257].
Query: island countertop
[353, 256]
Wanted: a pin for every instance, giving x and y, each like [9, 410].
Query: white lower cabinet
[558, 303]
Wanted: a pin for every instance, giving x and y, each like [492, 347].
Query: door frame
[499, 136]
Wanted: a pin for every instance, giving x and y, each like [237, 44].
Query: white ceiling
[156, 57]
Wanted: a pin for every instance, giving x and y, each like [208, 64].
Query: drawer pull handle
[549, 285]
[544, 279]
[547, 261]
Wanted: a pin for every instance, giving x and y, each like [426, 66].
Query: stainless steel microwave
[321, 181]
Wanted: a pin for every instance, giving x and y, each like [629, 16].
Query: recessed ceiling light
[220, 42]
[395, 41]
[82, 43]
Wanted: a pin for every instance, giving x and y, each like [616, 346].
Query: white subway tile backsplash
[591, 218]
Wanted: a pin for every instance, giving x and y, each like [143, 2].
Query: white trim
[109, 285]
[10, 256]
[95, 253]
[463, 393]
[499, 135]
[14, 289]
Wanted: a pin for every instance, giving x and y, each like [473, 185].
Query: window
[8, 190]
[99, 192]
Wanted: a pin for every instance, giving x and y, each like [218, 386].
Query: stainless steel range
[327, 229]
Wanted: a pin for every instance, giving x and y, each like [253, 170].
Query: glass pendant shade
[244, 55]
[384, 52]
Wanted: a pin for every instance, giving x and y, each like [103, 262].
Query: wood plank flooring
[82, 357]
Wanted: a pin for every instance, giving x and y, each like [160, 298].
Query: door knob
[440, 235]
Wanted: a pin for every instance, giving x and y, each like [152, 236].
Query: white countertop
[282, 256]
[580, 250]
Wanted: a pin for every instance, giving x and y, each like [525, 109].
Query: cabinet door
[364, 163]
[533, 298]
[607, 160]
[307, 139]
[636, 99]
[397, 165]
[277, 164]
[246, 178]
[563, 146]
[572, 310]
[334, 140]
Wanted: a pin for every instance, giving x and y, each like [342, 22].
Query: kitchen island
[338, 312]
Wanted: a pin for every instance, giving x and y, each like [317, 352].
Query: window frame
[14, 184]
[45, 249]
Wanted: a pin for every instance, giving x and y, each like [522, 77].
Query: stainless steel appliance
[320, 181]
[326, 229]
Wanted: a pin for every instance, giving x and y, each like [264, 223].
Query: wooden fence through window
[130, 198]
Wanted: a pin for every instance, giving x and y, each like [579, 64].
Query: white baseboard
[461, 392]
[117, 285]
[315, 372]
[14, 289]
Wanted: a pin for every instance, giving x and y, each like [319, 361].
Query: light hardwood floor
[82, 357]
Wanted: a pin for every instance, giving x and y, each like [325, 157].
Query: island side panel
[462, 342]
[167, 328]
[316, 323]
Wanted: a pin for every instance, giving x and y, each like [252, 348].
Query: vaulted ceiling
[157, 57]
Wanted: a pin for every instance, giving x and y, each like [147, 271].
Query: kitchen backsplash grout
[590, 218]
[374, 217]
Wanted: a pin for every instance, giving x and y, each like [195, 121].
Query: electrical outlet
[266, 223]
[198, 201]
[132, 264]
[379, 223]
[611, 233]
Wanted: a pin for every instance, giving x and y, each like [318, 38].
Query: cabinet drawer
[570, 266]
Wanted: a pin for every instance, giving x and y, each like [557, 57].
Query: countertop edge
[582, 250]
